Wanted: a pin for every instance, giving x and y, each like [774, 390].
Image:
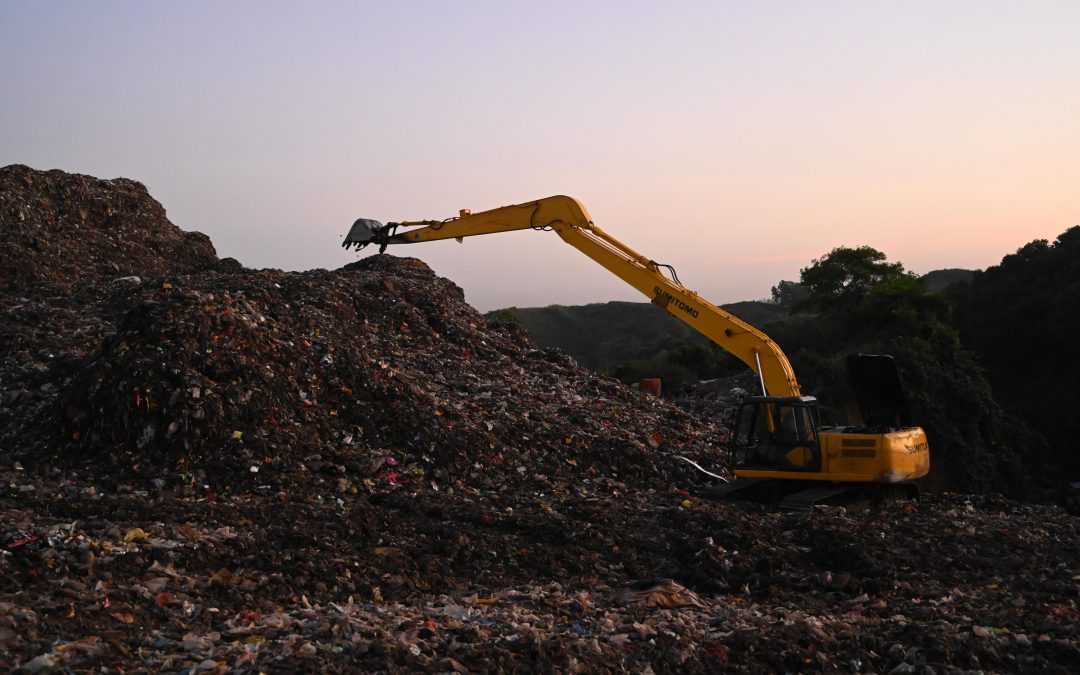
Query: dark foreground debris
[206, 468]
[420, 581]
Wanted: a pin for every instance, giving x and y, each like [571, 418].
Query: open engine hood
[876, 384]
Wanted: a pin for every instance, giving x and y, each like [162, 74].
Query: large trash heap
[208, 468]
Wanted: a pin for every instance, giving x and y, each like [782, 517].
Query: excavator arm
[569, 219]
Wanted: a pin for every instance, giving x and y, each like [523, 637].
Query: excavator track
[804, 500]
[792, 496]
[740, 487]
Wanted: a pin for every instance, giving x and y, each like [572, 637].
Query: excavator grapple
[365, 231]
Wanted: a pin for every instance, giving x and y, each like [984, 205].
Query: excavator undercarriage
[792, 496]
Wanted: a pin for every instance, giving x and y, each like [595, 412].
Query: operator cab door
[777, 433]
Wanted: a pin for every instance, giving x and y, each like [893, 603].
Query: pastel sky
[734, 140]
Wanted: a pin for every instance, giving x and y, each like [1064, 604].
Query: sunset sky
[735, 141]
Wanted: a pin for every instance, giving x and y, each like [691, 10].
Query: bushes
[865, 304]
[1022, 318]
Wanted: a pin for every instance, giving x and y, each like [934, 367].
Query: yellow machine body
[890, 457]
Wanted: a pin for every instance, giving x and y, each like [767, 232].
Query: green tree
[508, 315]
[1022, 317]
[790, 294]
[902, 305]
[838, 281]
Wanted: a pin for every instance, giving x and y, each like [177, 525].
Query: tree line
[989, 363]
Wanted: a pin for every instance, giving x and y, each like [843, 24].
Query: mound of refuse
[59, 229]
[252, 376]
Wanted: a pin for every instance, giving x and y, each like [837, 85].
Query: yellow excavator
[777, 438]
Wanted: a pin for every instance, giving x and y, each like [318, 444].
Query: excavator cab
[777, 433]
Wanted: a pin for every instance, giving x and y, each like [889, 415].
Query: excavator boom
[569, 219]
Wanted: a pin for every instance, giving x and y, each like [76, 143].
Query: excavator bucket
[363, 232]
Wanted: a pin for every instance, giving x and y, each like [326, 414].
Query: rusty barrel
[650, 385]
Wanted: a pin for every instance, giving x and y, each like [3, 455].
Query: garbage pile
[378, 373]
[720, 398]
[206, 468]
[61, 230]
[603, 578]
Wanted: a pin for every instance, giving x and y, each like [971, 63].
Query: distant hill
[601, 335]
[635, 339]
[938, 280]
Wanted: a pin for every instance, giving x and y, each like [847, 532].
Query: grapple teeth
[363, 232]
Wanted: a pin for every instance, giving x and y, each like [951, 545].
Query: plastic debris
[657, 593]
